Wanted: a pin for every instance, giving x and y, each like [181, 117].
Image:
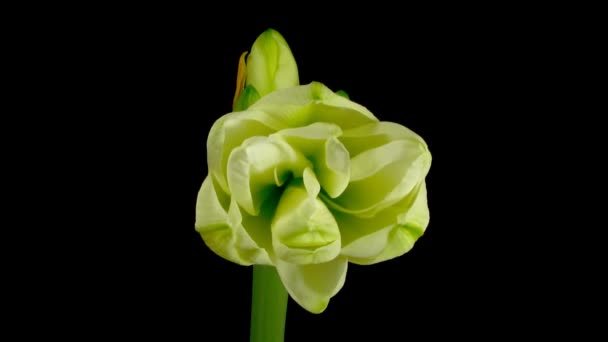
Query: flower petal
[330, 158]
[256, 168]
[390, 234]
[304, 105]
[376, 134]
[392, 170]
[311, 183]
[230, 131]
[222, 229]
[303, 230]
[312, 286]
[334, 167]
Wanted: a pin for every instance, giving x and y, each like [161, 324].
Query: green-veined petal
[387, 235]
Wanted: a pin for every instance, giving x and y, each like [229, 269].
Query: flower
[307, 180]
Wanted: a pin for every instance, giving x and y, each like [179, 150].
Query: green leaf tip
[247, 97]
[343, 94]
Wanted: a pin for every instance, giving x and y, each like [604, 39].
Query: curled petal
[257, 167]
[312, 286]
[391, 233]
[318, 142]
[230, 131]
[303, 230]
[311, 184]
[334, 167]
[223, 231]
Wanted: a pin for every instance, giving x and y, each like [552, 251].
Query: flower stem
[268, 306]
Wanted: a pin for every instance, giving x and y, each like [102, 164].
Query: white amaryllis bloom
[307, 180]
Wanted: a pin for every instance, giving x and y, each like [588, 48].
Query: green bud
[271, 65]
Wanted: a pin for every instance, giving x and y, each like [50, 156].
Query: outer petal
[222, 229]
[303, 105]
[376, 134]
[303, 230]
[391, 170]
[312, 286]
[270, 65]
[390, 234]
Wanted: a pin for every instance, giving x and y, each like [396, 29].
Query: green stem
[268, 306]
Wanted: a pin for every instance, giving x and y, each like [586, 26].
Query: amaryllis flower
[306, 180]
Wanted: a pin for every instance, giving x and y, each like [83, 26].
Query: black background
[146, 85]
